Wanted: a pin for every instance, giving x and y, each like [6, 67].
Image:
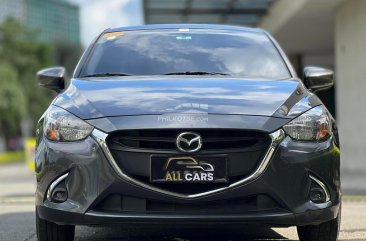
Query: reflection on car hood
[118, 96]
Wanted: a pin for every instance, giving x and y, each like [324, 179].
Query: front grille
[212, 139]
[132, 150]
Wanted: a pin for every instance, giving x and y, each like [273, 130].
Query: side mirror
[52, 78]
[316, 78]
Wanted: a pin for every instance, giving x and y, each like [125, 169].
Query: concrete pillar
[350, 51]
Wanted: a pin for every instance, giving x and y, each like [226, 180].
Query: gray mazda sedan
[187, 124]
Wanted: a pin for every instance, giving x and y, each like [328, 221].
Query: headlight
[313, 125]
[60, 125]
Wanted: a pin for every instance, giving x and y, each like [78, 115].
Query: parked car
[178, 124]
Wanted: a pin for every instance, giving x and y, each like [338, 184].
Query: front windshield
[186, 51]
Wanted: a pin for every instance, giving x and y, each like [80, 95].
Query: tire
[327, 231]
[48, 231]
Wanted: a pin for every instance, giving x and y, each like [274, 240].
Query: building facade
[14, 8]
[56, 20]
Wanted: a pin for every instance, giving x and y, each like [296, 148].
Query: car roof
[185, 26]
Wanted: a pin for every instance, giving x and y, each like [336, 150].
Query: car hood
[91, 98]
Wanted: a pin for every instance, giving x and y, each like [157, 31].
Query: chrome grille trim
[276, 138]
[55, 183]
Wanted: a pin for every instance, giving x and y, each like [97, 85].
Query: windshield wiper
[195, 73]
[106, 75]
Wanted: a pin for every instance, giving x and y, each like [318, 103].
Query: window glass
[158, 52]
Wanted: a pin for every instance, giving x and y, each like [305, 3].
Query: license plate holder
[188, 169]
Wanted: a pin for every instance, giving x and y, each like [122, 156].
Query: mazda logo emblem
[189, 142]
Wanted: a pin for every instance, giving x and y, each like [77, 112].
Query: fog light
[318, 191]
[57, 192]
[317, 195]
[59, 195]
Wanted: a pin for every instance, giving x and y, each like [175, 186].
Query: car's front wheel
[327, 231]
[48, 231]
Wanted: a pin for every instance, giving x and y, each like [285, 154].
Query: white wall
[350, 51]
[325, 60]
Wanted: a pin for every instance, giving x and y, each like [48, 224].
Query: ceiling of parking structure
[233, 12]
[302, 26]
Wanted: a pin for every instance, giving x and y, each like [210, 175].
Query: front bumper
[285, 181]
[282, 219]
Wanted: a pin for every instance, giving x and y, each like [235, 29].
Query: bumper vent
[119, 203]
